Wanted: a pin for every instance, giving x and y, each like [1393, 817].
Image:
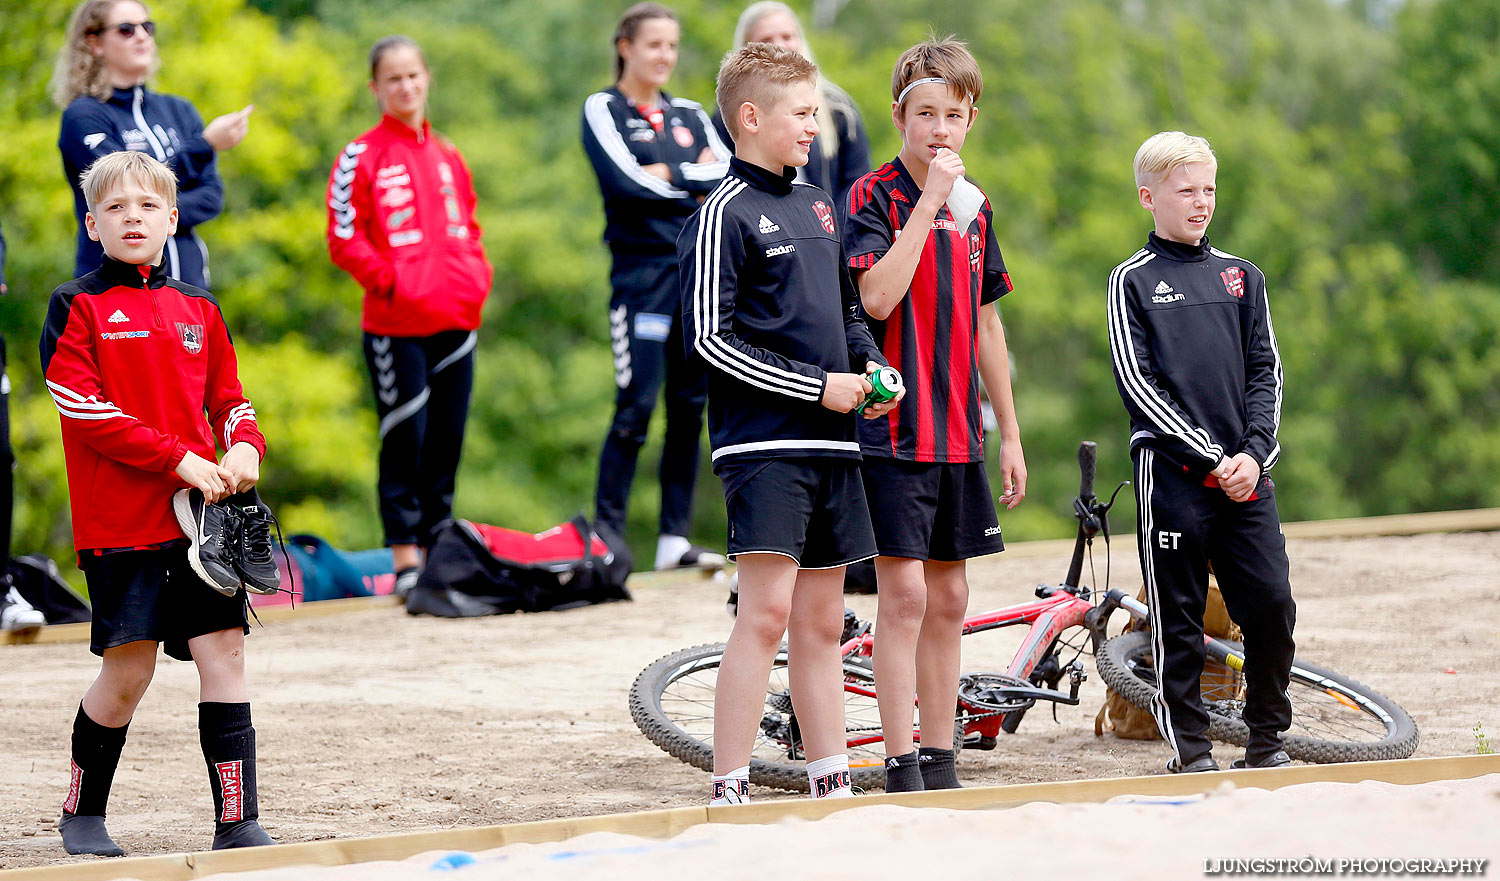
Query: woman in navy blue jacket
[656, 157]
[100, 84]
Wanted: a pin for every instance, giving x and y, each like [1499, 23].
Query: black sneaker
[1278, 759]
[1196, 766]
[211, 529]
[406, 579]
[254, 561]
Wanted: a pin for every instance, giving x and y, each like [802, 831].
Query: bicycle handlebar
[1088, 452]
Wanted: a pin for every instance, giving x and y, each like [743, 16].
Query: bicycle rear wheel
[672, 702]
[1334, 718]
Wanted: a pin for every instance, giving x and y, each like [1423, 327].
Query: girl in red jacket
[401, 221]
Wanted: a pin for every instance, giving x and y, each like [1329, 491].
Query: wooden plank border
[668, 823]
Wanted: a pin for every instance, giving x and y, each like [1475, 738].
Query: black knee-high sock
[96, 754]
[228, 741]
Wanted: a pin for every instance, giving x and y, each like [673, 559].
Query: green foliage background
[1359, 147]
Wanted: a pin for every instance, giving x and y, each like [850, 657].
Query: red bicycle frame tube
[1048, 618]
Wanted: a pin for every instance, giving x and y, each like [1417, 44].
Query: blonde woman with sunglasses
[100, 84]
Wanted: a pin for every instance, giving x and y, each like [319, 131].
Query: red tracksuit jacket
[401, 221]
[133, 364]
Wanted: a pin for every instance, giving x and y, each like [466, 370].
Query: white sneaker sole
[182, 506]
[24, 628]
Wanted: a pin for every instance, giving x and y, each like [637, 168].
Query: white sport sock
[829, 777]
[669, 550]
[730, 789]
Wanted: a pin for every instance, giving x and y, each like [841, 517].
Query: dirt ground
[377, 722]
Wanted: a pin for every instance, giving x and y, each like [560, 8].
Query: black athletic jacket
[643, 213]
[1195, 356]
[768, 304]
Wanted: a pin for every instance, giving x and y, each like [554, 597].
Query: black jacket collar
[117, 274]
[763, 179]
[126, 97]
[1177, 250]
[666, 99]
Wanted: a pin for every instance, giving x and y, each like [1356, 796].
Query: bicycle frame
[1057, 609]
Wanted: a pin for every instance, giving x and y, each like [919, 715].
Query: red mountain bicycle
[1334, 718]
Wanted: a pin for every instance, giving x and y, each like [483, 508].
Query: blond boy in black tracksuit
[1196, 364]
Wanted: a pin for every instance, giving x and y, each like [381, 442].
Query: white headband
[922, 82]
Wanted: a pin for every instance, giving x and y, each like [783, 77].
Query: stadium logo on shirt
[191, 336]
[777, 251]
[1234, 281]
[683, 134]
[825, 216]
[767, 227]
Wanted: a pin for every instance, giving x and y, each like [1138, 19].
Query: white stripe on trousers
[1147, 482]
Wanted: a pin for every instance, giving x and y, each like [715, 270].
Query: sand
[378, 722]
[1327, 829]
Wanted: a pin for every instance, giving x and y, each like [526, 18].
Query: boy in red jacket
[134, 359]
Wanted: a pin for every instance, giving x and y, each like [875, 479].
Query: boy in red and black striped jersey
[134, 360]
[928, 297]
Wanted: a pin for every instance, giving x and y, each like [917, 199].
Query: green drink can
[885, 385]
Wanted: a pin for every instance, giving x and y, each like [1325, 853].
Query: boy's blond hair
[108, 171]
[758, 73]
[947, 59]
[1165, 151]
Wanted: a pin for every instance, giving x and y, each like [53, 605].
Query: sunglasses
[126, 29]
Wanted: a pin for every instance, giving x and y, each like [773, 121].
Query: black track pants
[1184, 526]
[7, 464]
[645, 329]
[422, 387]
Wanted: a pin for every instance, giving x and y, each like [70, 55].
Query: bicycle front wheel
[1334, 718]
[672, 702]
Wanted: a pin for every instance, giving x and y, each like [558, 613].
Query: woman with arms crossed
[656, 157]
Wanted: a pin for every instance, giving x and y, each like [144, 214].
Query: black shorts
[931, 510]
[812, 510]
[155, 595]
